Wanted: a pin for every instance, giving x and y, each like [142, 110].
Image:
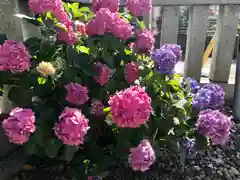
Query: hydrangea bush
[93, 91]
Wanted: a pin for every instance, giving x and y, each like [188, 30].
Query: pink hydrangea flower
[19, 125]
[76, 94]
[131, 72]
[97, 108]
[112, 5]
[80, 28]
[72, 127]
[43, 6]
[67, 36]
[145, 40]
[139, 7]
[14, 57]
[214, 124]
[142, 156]
[100, 25]
[120, 28]
[63, 17]
[104, 74]
[130, 108]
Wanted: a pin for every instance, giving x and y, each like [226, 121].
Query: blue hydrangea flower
[209, 96]
[192, 83]
[176, 50]
[189, 146]
[165, 60]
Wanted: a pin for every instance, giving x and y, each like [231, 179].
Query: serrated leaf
[41, 80]
[52, 148]
[83, 49]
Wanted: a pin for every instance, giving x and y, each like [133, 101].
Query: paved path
[205, 71]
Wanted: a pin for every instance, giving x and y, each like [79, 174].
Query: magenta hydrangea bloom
[139, 7]
[14, 57]
[67, 36]
[72, 127]
[63, 17]
[104, 74]
[112, 5]
[19, 125]
[214, 124]
[142, 157]
[130, 108]
[120, 28]
[97, 108]
[43, 6]
[131, 72]
[76, 93]
[145, 40]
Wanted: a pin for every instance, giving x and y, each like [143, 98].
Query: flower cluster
[214, 124]
[106, 21]
[72, 127]
[192, 83]
[130, 108]
[43, 6]
[14, 57]
[103, 75]
[76, 93]
[142, 156]
[46, 69]
[209, 96]
[145, 40]
[112, 5]
[131, 72]
[20, 125]
[139, 7]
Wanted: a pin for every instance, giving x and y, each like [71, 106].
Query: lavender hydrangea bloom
[209, 96]
[214, 124]
[176, 50]
[165, 60]
[194, 85]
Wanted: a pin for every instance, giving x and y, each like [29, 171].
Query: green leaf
[141, 24]
[82, 49]
[33, 44]
[85, 9]
[53, 147]
[106, 110]
[41, 80]
[201, 142]
[108, 59]
[20, 96]
[69, 152]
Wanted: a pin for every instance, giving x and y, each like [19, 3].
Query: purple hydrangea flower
[214, 124]
[188, 144]
[209, 96]
[192, 83]
[165, 60]
[176, 50]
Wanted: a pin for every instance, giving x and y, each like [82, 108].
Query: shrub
[92, 92]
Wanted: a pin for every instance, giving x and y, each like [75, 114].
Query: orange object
[208, 51]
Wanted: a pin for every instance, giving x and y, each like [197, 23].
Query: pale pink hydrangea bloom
[104, 74]
[139, 7]
[131, 72]
[76, 93]
[72, 127]
[80, 28]
[130, 108]
[120, 28]
[19, 125]
[112, 5]
[43, 6]
[14, 57]
[97, 108]
[145, 40]
[142, 156]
